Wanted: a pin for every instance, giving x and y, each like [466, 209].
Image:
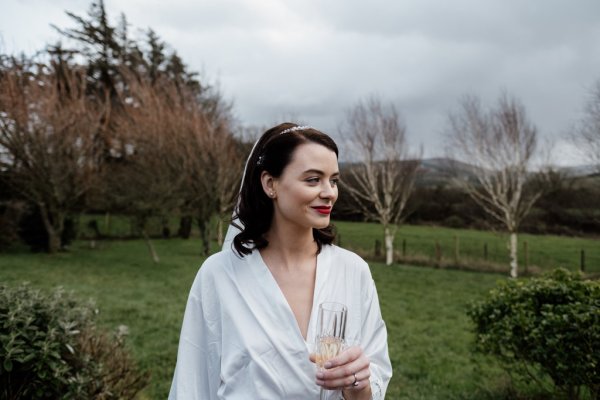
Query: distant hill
[580, 171]
[435, 171]
[439, 171]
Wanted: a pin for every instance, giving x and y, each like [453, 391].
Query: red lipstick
[325, 210]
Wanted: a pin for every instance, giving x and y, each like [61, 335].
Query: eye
[313, 180]
[335, 181]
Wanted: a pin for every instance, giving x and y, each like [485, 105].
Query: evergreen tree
[155, 56]
[98, 43]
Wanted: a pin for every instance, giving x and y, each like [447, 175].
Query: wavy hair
[272, 153]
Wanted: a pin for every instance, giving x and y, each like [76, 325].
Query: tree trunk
[220, 232]
[205, 235]
[185, 227]
[54, 226]
[151, 249]
[513, 255]
[389, 245]
[53, 241]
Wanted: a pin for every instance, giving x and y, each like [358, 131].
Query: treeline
[568, 206]
[112, 123]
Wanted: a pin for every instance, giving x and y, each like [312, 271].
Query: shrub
[50, 348]
[454, 221]
[548, 326]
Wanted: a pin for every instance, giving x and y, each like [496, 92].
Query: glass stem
[323, 394]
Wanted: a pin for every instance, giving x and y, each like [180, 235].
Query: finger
[360, 380]
[333, 376]
[343, 377]
[362, 362]
[344, 357]
[360, 385]
[354, 381]
[312, 357]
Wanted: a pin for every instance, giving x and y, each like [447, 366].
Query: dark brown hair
[272, 153]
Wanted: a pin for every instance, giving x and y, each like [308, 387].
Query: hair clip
[261, 160]
[296, 128]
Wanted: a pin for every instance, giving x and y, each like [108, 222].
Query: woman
[250, 318]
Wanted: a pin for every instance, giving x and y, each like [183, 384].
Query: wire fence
[420, 245]
[482, 253]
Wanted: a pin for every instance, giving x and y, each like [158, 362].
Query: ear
[268, 184]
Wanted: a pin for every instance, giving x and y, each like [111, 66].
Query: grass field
[544, 252]
[429, 334]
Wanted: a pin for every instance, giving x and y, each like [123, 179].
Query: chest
[298, 289]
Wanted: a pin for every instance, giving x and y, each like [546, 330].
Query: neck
[290, 246]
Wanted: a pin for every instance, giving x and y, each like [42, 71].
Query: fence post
[456, 249]
[403, 247]
[107, 223]
[526, 249]
[438, 254]
[485, 251]
[582, 261]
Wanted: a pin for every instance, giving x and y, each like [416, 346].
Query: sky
[312, 60]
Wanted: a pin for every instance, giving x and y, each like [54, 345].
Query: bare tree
[382, 172]
[212, 172]
[178, 155]
[221, 162]
[500, 144]
[147, 176]
[587, 133]
[229, 156]
[47, 127]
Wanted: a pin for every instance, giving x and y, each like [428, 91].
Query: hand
[339, 373]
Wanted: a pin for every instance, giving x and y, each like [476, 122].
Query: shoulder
[347, 258]
[216, 262]
[344, 254]
[214, 268]
[350, 267]
[216, 274]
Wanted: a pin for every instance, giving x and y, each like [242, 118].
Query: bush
[51, 349]
[454, 221]
[548, 326]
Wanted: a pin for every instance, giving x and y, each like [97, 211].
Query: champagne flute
[331, 332]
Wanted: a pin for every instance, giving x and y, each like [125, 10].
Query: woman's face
[307, 188]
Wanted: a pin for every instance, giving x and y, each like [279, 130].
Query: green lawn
[545, 251]
[429, 334]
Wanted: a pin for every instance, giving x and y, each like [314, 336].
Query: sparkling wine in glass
[331, 332]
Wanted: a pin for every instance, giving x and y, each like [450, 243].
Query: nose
[328, 191]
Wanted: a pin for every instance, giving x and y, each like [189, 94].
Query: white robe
[240, 339]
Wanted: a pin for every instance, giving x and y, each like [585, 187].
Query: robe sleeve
[197, 373]
[374, 340]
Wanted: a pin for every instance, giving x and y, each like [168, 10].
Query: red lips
[325, 210]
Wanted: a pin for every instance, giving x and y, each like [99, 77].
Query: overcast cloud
[313, 59]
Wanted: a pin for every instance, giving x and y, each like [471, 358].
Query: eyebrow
[318, 172]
